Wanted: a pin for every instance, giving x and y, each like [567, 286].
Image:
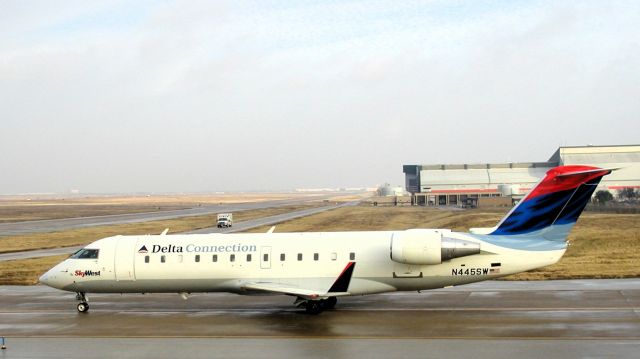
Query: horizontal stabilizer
[595, 170]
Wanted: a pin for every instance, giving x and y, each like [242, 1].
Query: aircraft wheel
[313, 307]
[83, 307]
[330, 302]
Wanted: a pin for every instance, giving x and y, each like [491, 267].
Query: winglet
[342, 283]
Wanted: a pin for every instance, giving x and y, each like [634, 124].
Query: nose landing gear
[83, 306]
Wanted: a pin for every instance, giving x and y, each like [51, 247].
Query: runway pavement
[583, 318]
[238, 227]
[265, 221]
[277, 348]
[17, 228]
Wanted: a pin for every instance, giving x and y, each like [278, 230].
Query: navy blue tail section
[558, 200]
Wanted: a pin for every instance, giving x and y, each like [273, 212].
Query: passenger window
[197, 258]
[334, 256]
[299, 256]
[265, 257]
[248, 257]
[315, 256]
[146, 259]
[352, 256]
[214, 258]
[163, 259]
[282, 257]
[232, 258]
[180, 258]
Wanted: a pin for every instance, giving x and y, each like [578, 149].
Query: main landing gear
[317, 306]
[83, 306]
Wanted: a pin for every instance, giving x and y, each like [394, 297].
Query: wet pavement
[589, 317]
[315, 348]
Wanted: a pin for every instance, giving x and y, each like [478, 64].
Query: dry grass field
[82, 236]
[368, 218]
[19, 213]
[602, 245]
[22, 208]
[27, 271]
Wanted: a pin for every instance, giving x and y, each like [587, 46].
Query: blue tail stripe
[578, 202]
[534, 214]
[542, 221]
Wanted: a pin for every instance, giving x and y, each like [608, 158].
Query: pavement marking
[337, 310]
[328, 337]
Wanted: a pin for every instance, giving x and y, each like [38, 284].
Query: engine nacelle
[423, 246]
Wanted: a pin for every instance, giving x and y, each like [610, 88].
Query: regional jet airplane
[317, 268]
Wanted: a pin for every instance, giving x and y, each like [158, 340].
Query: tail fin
[553, 206]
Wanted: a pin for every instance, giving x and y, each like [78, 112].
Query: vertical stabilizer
[553, 206]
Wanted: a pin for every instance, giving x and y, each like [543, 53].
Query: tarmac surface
[496, 319]
[51, 225]
[237, 227]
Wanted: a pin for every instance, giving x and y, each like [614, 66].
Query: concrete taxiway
[266, 221]
[238, 227]
[574, 318]
[50, 225]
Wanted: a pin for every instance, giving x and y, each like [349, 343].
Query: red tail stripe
[553, 182]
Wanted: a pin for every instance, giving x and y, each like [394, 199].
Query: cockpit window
[85, 253]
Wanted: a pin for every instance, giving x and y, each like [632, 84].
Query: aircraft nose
[46, 278]
[53, 278]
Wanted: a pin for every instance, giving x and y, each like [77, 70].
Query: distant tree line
[624, 195]
[628, 194]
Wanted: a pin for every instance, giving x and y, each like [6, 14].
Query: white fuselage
[226, 262]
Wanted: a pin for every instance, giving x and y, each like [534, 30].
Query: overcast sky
[169, 96]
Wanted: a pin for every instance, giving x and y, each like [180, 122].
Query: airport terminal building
[451, 184]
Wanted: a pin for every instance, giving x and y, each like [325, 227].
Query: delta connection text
[192, 248]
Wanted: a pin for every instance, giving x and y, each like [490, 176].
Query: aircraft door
[124, 259]
[265, 257]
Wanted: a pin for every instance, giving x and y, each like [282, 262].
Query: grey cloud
[218, 96]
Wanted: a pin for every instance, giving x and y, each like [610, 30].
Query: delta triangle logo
[143, 249]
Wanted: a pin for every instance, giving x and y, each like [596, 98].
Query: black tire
[330, 302]
[83, 307]
[313, 307]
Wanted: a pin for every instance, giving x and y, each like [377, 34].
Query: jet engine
[423, 246]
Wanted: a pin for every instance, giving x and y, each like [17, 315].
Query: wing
[338, 289]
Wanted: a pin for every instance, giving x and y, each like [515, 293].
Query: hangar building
[456, 184]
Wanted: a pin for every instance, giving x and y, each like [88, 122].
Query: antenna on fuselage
[166, 230]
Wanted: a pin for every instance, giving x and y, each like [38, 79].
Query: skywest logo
[86, 273]
[192, 248]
